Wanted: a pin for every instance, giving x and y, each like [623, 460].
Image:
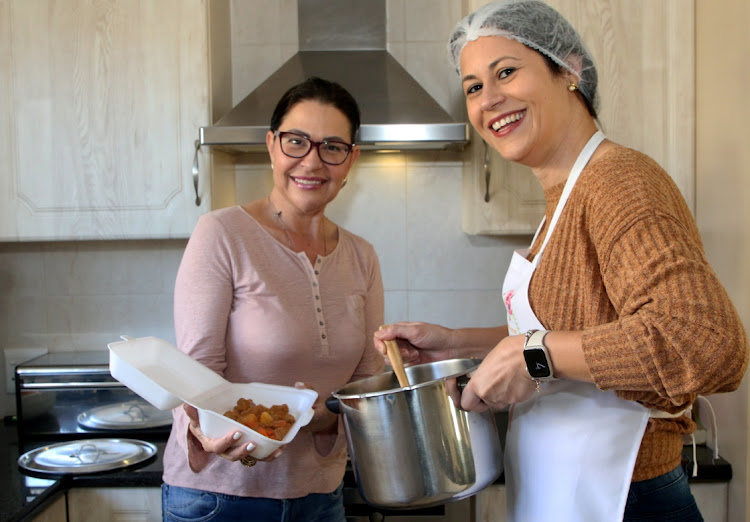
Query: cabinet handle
[196, 172]
[487, 172]
[63, 386]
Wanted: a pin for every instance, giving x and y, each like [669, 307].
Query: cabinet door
[490, 504]
[114, 504]
[712, 499]
[644, 52]
[55, 512]
[104, 101]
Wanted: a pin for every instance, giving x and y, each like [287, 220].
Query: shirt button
[315, 284]
[321, 323]
[323, 336]
[319, 310]
[317, 297]
[317, 273]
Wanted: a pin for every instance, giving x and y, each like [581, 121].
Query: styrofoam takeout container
[166, 377]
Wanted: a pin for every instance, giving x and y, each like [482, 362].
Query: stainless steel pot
[414, 446]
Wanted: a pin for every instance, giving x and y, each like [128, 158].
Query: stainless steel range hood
[344, 41]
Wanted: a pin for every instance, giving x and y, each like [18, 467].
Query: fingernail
[250, 447]
[278, 454]
[299, 384]
[237, 435]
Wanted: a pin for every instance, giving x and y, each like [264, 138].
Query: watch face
[536, 363]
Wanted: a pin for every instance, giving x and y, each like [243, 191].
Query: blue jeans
[185, 504]
[662, 499]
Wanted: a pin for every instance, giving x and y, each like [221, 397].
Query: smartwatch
[537, 358]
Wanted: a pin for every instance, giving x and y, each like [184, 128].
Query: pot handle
[332, 403]
[461, 382]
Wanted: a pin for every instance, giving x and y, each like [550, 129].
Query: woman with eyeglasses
[274, 292]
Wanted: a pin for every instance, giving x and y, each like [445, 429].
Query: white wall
[722, 206]
[83, 295]
[408, 206]
[77, 296]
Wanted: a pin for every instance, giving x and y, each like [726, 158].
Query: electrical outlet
[14, 357]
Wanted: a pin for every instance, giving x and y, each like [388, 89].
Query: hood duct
[344, 41]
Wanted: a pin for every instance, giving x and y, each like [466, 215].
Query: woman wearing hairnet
[615, 320]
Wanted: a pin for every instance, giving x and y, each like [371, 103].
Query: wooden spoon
[394, 356]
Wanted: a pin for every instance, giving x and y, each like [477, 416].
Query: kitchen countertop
[22, 497]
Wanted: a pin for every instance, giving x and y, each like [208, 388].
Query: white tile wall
[79, 296]
[83, 295]
[408, 206]
[264, 36]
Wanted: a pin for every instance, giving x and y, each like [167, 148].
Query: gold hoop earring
[572, 87]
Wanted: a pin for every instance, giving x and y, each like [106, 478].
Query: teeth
[502, 122]
[308, 181]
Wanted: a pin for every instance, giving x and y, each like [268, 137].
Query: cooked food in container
[167, 377]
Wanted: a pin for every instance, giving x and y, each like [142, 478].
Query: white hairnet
[536, 25]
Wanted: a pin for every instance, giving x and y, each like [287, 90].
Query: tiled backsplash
[409, 207]
[78, 296]
[83, 295]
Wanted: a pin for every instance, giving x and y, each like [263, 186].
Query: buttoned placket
[318, 304]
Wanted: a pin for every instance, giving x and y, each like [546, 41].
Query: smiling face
[307, 183]
[515, 102]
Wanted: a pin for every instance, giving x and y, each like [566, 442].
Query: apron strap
[658, 414]
[580, 163]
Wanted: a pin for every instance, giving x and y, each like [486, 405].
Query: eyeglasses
[298, 146]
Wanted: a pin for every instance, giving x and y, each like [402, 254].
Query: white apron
[571, 448]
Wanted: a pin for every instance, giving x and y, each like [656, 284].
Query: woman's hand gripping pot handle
[501, 379]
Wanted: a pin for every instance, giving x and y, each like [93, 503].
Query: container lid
[167, 377]
[159, 372]
[86, 456]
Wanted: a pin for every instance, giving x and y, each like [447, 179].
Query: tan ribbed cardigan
[626, 266]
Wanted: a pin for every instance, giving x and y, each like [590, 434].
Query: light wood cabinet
[55, 512]
[490, 504]
[644, 52]
[114, 505]
[104, 101]
[712, 499]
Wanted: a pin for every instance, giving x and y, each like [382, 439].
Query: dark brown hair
[324, 91]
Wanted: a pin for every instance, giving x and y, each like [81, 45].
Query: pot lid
[86, 456]
[133, 414]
